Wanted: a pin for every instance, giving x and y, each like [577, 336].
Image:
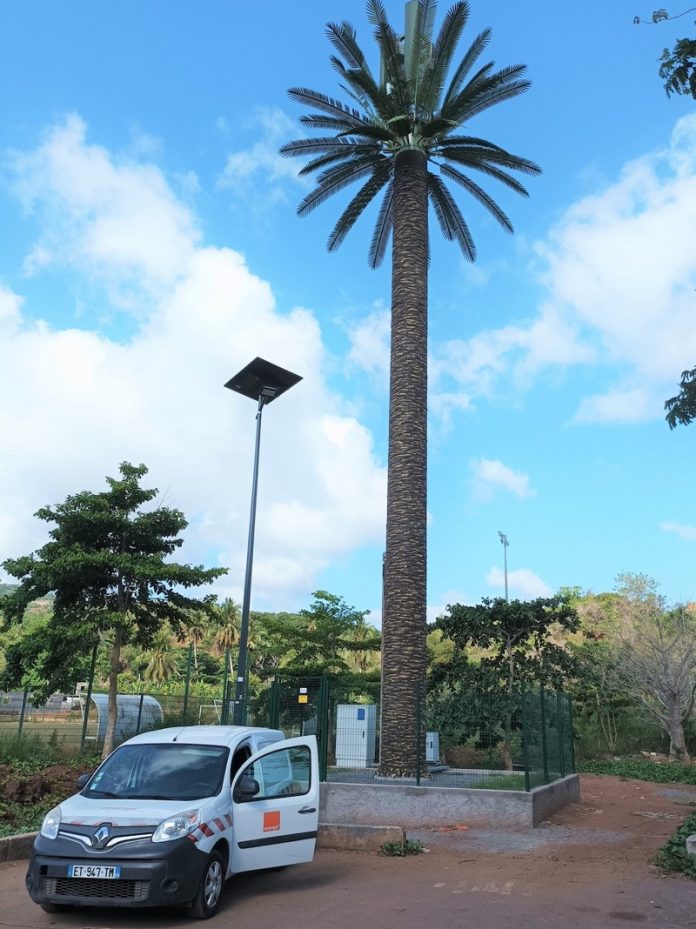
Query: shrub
[671, 772]
[673, 856]
[401, 849]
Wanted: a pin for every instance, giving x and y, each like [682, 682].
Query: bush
[641, 769]
[673, 856]
[401, 849]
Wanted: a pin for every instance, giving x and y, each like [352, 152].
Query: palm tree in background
[162, 662]
[194, 632]
[406, 137]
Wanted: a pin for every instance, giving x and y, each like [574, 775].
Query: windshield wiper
[107, 793]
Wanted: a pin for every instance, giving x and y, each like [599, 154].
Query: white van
[169, 815]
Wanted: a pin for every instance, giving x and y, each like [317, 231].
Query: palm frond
[473, 155]
[330, 184]
[344, 39]
[383, 229]
[484, 92]
[435, 127]
[383, 103]
[452, 223]
[478, 193]
[494, 172]
[465, 65]
[328, 144]
[421, 52]
[314, 98]
[357, 205]
[445, 47]
[388, 42]
[319, 121]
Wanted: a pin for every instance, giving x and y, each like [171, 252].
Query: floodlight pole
[240, 697]
[505, 543]
[261, 381]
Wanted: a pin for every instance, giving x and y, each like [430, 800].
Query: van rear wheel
[207, 900]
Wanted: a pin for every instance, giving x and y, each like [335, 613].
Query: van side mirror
[245, 789]
[83, 780]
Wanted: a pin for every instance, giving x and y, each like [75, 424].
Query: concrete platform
[407, 806]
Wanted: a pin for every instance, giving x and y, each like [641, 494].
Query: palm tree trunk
[404, 619]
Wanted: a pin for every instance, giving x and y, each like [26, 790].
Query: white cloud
[112, 218]
[523, 584]
[617, 406]
[369, 345]
[275, 129]
[490, 475]
[620, 275]
[76, 403]
[687, 533]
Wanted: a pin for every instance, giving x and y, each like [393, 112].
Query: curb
[356, 838]
[14, 847]
[331, 835]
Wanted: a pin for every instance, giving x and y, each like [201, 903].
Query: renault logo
[102, 834]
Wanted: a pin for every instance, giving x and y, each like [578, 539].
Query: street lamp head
[261, 379]
[503, 538]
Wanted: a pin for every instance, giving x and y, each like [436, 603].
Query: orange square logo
[271, 821]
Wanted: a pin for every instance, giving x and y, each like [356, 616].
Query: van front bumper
[163, 874]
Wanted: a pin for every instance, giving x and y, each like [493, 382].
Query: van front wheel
[207, 900]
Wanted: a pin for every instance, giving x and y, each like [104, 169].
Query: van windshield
[160, 772]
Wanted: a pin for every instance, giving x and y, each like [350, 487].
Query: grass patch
[641, 769]
[500, 782]
[402, 849]
[15, 818]
[673, 856]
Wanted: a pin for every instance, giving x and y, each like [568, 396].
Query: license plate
[94, 870]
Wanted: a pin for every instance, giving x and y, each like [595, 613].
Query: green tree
[320, 638]
[107, 562]
[405, 139]
[678, 64]
[682, 408]
[518, 643]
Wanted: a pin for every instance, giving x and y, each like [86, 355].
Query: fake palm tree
[403, 135]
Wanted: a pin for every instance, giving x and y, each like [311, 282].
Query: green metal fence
[496, 741]
[458, 739]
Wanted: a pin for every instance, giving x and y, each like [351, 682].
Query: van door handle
[308, 809]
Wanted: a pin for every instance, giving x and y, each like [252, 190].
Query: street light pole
[261, 381]
[505, 543]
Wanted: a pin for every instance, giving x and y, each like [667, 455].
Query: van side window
[238, 759]
[285, 773]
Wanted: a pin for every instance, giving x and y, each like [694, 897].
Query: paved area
[589, 868]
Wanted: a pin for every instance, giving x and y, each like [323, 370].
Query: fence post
[88, 697]
[274, 707]
[188, 682]
[21, 713]
[140, 714]
[418, 735]
[525, 739]
[571, 736]
[559, 714]
[323, 726]
[223, 713]
[542, 700]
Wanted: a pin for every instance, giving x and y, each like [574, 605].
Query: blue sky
[150, 249]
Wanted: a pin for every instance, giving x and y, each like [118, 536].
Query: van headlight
[51, 824]
[177, 827]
